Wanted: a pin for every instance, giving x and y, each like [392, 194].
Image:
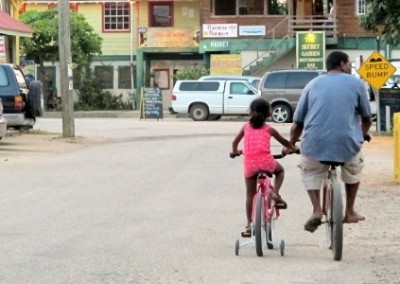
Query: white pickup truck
[211, 99]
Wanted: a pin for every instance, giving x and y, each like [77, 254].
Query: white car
[3, 122]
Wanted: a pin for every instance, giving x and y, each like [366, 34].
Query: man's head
[338, 61]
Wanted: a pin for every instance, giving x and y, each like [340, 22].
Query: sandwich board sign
[376, 70]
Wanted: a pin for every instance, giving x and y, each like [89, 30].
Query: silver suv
[282, 89]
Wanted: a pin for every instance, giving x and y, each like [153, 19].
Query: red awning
[11, 26]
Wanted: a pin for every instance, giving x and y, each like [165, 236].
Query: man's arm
[295, 132]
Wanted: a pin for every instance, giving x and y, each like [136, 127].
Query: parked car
[204, 100]
[255, 81]
[22, 102]
[3, 122]
[282, 88]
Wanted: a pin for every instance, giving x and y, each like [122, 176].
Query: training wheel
[282, 247]
[237, 247]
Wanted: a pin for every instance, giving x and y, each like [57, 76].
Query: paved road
[160, 202]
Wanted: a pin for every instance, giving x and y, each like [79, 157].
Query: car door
[238, 96]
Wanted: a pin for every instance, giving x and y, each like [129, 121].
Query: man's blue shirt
[330, 108]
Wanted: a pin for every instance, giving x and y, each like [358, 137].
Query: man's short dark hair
[334, 60]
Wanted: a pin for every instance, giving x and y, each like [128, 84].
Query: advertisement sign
[252, 31]
[3, 58]
[226, 64]
[220, 30]
[167, 37]
[310, 50]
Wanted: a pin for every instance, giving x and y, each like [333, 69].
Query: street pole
[64, 43]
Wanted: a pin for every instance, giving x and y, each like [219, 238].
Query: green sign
[310, 50]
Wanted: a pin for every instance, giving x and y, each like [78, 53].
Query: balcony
[314, 23]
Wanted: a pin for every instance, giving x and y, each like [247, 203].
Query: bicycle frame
[264, 186]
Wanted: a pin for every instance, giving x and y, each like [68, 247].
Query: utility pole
[64, 42]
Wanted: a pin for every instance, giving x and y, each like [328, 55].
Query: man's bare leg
[350, 215]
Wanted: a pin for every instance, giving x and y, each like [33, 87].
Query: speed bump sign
[376, 70]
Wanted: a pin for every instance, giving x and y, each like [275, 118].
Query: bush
[191, 73]
[92, 97]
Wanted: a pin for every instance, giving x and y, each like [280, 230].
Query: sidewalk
[105, 113]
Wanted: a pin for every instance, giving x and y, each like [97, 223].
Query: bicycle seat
[263, 174]
[332, 163]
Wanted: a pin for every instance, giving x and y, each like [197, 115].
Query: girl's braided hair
[260, 110]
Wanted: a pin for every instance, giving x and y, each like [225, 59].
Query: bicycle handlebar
[276, 156]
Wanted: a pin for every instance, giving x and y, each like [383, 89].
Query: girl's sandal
[279, 202]
[247, 232]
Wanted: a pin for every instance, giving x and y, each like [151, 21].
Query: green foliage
[383, 16]
[43, 46]
[191, 73]
[92, 97]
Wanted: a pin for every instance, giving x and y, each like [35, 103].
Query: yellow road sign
[376, 70]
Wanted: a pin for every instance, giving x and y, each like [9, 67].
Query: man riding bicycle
[333, 116]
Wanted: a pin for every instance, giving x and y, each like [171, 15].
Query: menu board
[151, 103]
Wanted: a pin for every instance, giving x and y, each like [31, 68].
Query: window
[116, 17]
[248, 7]
[275, 81]
[199, 86]
[161, 78]
[237, 7]
[124, 77]
[360, 9]
[161, 14]
[105, 75]
[277, 7]
[3, 78]
[298, 80]
[239, 88]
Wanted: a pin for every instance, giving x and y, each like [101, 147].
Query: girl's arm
[286, 143]
[237, 140]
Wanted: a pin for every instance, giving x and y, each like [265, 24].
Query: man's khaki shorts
[313, 172]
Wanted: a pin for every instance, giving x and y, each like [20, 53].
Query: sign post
[376, 70]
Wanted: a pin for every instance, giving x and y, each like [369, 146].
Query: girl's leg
[251, 187]
[279, 174]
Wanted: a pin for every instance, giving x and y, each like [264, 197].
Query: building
[145, 42]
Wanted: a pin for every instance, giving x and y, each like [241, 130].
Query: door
[237, 97]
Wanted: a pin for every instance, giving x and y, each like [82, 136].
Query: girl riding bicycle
[257, 154]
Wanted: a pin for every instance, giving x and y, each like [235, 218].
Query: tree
[383, 16]
[43, 46]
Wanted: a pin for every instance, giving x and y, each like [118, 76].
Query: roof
[13, 27]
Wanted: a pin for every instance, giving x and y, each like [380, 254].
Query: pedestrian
[333, 118]
[257, 155]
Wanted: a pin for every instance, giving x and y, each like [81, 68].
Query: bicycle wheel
[259, 228]
[337, 221]
[270, 222]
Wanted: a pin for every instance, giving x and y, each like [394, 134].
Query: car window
[275, 81]
[199, 86]
[298, 80]
[20, 78]
[3, 77]
[239, 88]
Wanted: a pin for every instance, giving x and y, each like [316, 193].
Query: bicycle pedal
[246, 235]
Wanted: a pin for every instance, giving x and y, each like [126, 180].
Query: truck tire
[199, 112]
[35, 99]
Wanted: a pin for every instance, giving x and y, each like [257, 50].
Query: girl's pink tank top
[257, 150]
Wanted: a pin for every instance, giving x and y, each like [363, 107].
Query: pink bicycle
[264, 215]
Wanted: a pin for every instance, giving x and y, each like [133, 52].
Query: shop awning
[13, 27]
